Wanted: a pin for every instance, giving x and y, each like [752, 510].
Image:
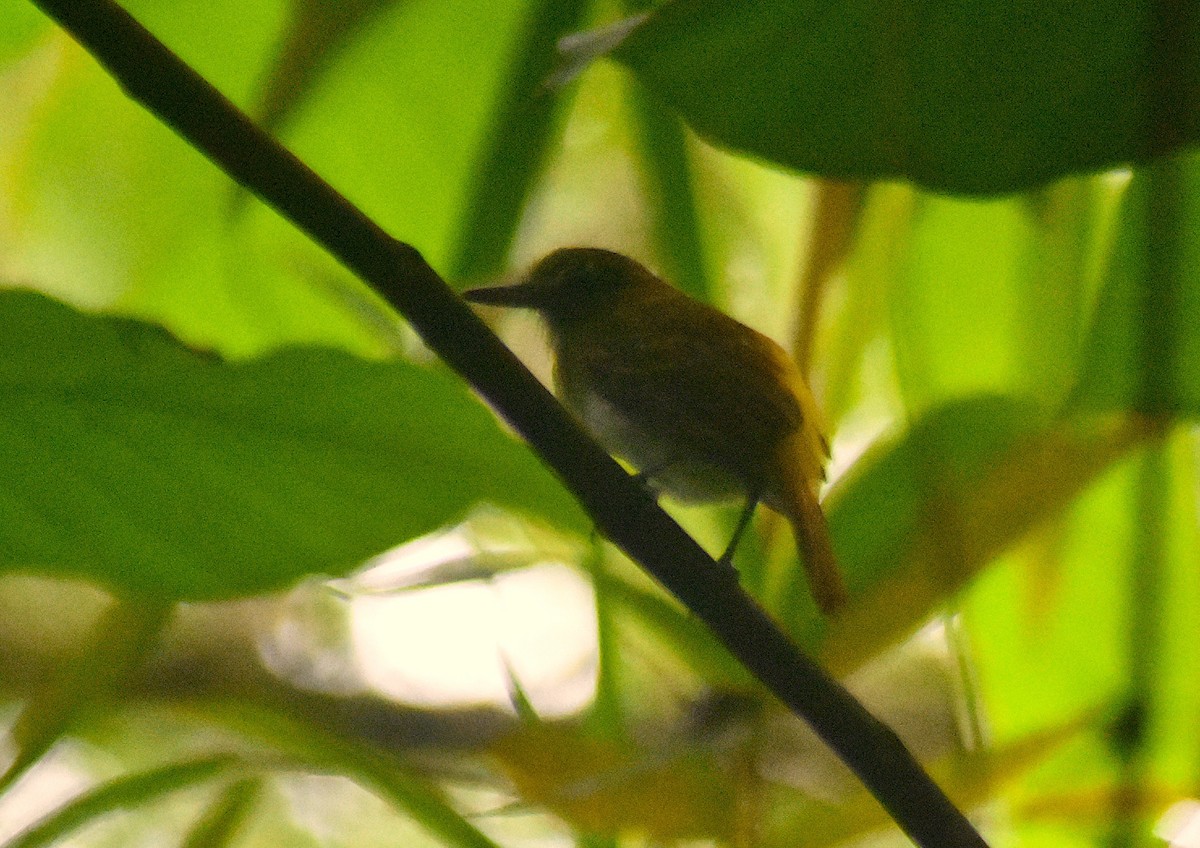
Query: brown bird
[703, 406]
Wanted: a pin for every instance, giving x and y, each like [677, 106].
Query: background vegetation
[990, 274]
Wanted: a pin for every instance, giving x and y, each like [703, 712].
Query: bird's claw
[726, 567]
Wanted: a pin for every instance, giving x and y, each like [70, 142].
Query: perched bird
[701, 405]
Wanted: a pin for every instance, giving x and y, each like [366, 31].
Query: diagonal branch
[622, 509]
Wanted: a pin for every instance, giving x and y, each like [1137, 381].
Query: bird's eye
[586, 277]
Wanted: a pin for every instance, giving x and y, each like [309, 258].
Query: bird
[702, 406]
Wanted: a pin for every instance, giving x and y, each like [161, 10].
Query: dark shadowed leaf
[961, 96]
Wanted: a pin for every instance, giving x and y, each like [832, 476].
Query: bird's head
[569, 284]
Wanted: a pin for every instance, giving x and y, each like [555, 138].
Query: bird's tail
[797, 501]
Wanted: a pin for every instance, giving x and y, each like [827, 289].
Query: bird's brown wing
[698, 378]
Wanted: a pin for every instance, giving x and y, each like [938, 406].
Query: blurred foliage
[197, 405]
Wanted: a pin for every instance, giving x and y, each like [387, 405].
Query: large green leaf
[147, 466]
[960, 95]
[917, 520]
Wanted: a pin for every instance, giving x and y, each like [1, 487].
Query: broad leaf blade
[148, 467]
[962, 96]
[924, 515]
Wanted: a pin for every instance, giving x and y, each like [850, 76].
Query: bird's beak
[521, 294]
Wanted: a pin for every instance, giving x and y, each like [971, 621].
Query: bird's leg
[646, 476]
[645, 480]
[752, 498]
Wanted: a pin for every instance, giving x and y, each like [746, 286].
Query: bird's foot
[646, 481]
[726, 567]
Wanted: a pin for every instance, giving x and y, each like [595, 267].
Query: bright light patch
[455, 645]
[1180, 825]
[449, 621]
[58, 777]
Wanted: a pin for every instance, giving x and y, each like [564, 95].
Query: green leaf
[122, 214]
[122, 793]
[918, 519]
[1144, 348]
[20, 25]
[119, 644]
[523, 128]
[226, 41]
[222, 823]
[316, 33]
[146, 466]
[966, 96]
[667, 173]
[397, 121]
[407, 790]
[955, 299]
